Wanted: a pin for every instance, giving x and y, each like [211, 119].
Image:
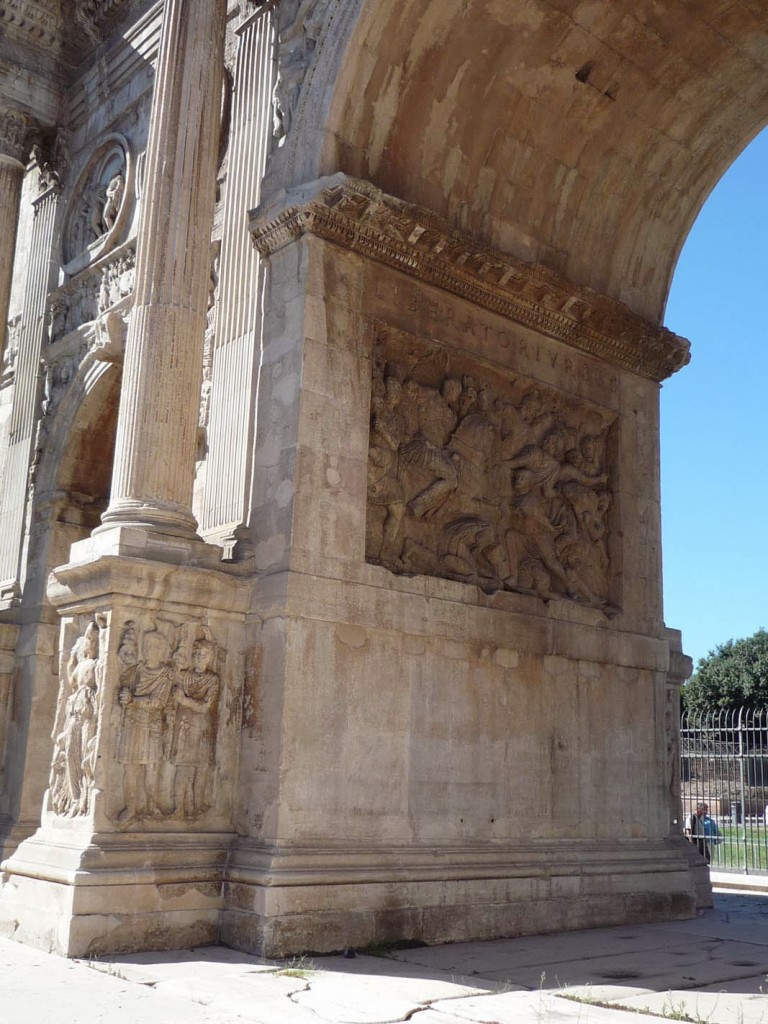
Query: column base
[146, 542]
[280, 903]
[76, 893]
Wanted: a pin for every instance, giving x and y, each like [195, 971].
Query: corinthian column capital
[16, 132]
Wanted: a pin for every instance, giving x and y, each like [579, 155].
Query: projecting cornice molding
[360, 217]
[38, 22]
[66, 34]
[16, 132]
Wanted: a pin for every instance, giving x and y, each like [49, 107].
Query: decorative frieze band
[360, 217]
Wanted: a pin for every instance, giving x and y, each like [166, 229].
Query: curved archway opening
[715, 418]
[582, 136]
[85, 465]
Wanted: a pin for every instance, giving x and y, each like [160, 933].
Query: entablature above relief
[66, 32]
[359, 216]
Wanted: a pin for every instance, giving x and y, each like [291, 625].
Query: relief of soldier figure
[168, 695]
[486, 479]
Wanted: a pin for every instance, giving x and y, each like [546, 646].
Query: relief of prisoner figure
[470, 552]
[434, 417]
[192, 725]
[75, 738]
[145, 689]
[384, 485]
[540, 516]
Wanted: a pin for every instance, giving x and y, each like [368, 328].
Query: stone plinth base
[280, 903]
[88, 895]
[700, 874]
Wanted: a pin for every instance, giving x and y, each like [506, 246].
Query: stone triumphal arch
[330, 571]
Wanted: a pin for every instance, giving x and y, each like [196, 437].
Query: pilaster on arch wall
[584, 136]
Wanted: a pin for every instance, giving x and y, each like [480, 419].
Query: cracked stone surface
[711, 969]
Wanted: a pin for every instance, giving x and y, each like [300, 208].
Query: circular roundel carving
[100, 205]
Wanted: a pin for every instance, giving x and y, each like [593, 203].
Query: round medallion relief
[100, 205]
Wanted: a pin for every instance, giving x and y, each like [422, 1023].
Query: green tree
[734, 675]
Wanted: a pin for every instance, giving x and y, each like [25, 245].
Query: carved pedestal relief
[168, 695]
[481, 476]
[75, 731]
[158, 760]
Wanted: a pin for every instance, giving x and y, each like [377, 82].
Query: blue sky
[714, 417]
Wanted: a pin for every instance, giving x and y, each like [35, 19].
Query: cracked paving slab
[647, 966]
[693, 967]
[526, 1008]
[37, 986]
[212, 962]
[375, 990]
[707, 1007]
[723, 945]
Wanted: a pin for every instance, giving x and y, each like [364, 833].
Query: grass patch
[298, 967]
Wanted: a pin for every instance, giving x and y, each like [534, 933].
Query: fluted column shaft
[157, 425]
[14, 135]
[236, 344]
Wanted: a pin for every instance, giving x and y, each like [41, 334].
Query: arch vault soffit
[584, 136]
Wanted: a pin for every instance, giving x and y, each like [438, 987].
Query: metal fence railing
[724, 764]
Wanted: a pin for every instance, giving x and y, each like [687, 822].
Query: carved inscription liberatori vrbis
[480, 476]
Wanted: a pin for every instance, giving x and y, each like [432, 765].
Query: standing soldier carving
[195, 698]
[144, 693]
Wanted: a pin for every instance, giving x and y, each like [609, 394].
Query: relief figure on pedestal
[145, 688]
[168, 696]
[477, 475]
[193, 730]
[75, 736]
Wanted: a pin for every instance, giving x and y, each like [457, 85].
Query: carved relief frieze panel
[76, 725]
[99, 288]
[168, 696]
[11, 349]
[483, 476]
[100, 205]
[138, 719]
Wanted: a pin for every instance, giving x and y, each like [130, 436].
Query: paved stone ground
[712, 969]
